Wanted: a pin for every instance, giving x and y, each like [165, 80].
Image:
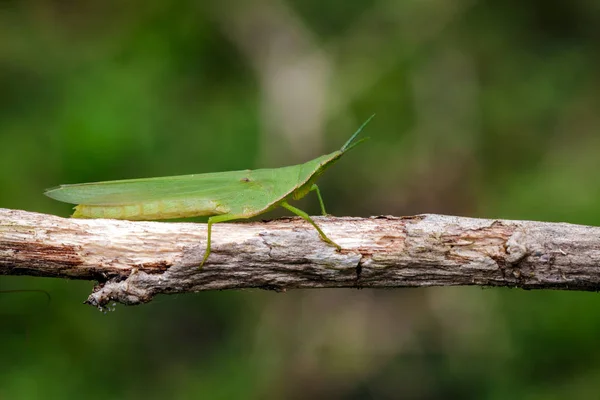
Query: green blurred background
[484, 108]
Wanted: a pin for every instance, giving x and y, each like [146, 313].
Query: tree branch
[134, 261]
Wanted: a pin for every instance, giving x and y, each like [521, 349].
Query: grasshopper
[223, 196]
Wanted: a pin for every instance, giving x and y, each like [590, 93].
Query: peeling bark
[134, 261]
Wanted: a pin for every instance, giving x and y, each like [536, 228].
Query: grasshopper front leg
[316, 189]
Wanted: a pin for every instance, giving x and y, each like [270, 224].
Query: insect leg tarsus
[316, 189]
[306, 217]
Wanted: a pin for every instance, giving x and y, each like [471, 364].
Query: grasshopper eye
[245, 179]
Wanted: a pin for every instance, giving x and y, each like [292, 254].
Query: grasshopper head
[313, 169]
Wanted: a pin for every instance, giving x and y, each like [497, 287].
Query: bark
[134, 261]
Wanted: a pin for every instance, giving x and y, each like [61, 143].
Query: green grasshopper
[224, 196]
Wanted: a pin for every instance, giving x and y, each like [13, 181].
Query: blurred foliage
[483, 109]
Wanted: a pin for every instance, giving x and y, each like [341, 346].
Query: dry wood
[134, 261]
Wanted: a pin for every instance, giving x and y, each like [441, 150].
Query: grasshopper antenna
[348, 145]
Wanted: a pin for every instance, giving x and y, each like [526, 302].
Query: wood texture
[134, 261]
